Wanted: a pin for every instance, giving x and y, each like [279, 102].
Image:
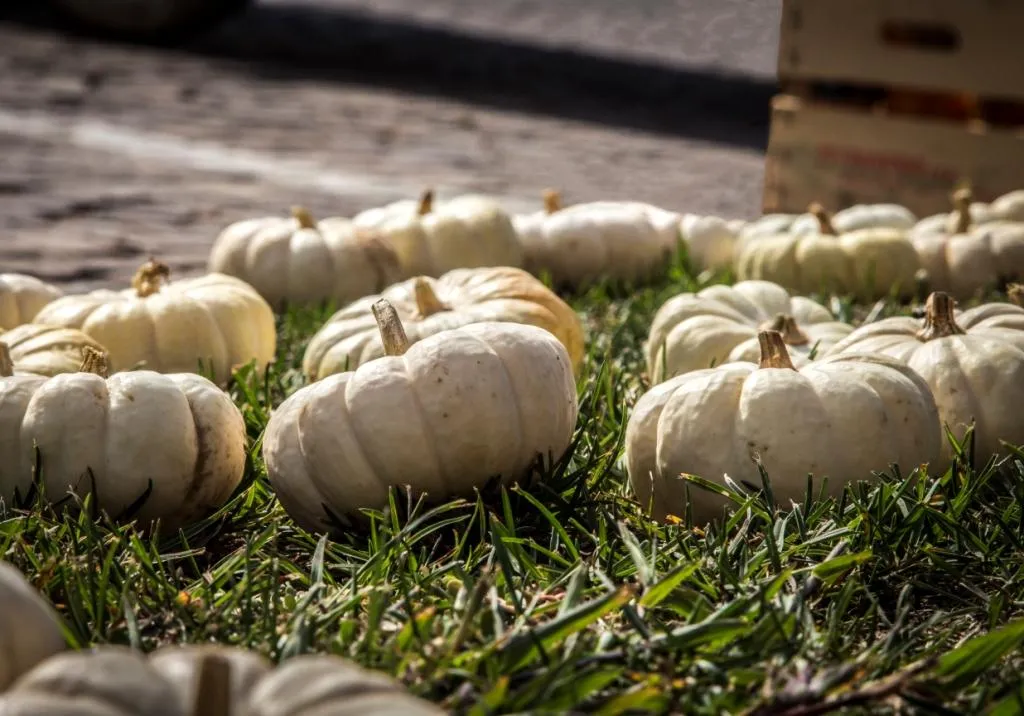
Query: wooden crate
[956, 46]
[841, 156]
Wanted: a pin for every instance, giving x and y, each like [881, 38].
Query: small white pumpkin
[866, 263]
[30, 629]
[859, 216]
[584, 243]
[22, 297]
[1008, 207]
[966, 211]
[217, 320]
[444, 416]
[710, 241]
[47, 350]
[970, 258]
[428, 306]
[840, 417]
[177, 437]
[720, 324]
[430, 238]
[974, 365]
[301, 261]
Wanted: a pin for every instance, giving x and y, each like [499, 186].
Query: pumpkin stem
[392, 332]
[302, 215]
[552, 201]
[427, 302]
[773, 350]
[6, 362]
[938, 318]
[962, 199]
[213, 690]
[787, 326]
[148, 278]
[426, 203]
[824, 219]
[1015, 292]
[94, 361]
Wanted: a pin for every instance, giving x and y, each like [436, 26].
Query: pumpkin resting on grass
[29, 627]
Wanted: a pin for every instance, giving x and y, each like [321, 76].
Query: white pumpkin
[866, 263]
[967, 212]
[106, 681]
[720, 324]
[1008, 207]
[428, 306]
[710, 241]
[968, 258]
[430, 238]
[585, 243]
[973, 363]
[840, 417]
[46, 350]
[177, 437]
[301, 261]
[444, 416]
[217, 320]
[859, 216]
[30, 630]
[22, 297]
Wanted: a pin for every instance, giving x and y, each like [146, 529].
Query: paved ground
[112, 152]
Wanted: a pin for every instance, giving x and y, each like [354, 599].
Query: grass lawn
[563, 597]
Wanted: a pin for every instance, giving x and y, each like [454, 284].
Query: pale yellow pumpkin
[298, 260]
[430, 238]
[30, 629]
[585, 243]
[22, 297]
[968, 258]
[838, 418]
[215, 320]
[867, 263]
[47, 350]
[428, 306]
[163, 447]
[720, 324]
[445, 416]
[973, 363]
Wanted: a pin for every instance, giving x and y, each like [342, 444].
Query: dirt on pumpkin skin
[113, 153]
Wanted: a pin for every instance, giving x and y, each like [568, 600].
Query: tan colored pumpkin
[47, 350]
[428, 306]
[973, 364]
[584, 243]
[175, 442]
[866, 263]
[431, 237]
[216, 320]
[840, 417]
[968, 258]
[301, 261]
[445, 416]
[720, 324]
[22, 297]
[30, 629]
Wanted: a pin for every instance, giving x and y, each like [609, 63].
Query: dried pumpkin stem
[302, 215]
[148, 278]
[939, 320]
[785, 324]
[94, 361]
[213, 690]
[392, 332]
[426, 203]
[824, 219]
[427, 302]
[6, 362]
[1015, 292]
[552, 201]
[962, 199]
[773, 350]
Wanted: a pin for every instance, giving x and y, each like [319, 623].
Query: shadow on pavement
[309, 41]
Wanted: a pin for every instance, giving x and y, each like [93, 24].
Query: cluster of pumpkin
[39, 677]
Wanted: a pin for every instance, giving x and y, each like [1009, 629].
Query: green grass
[562, 597]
